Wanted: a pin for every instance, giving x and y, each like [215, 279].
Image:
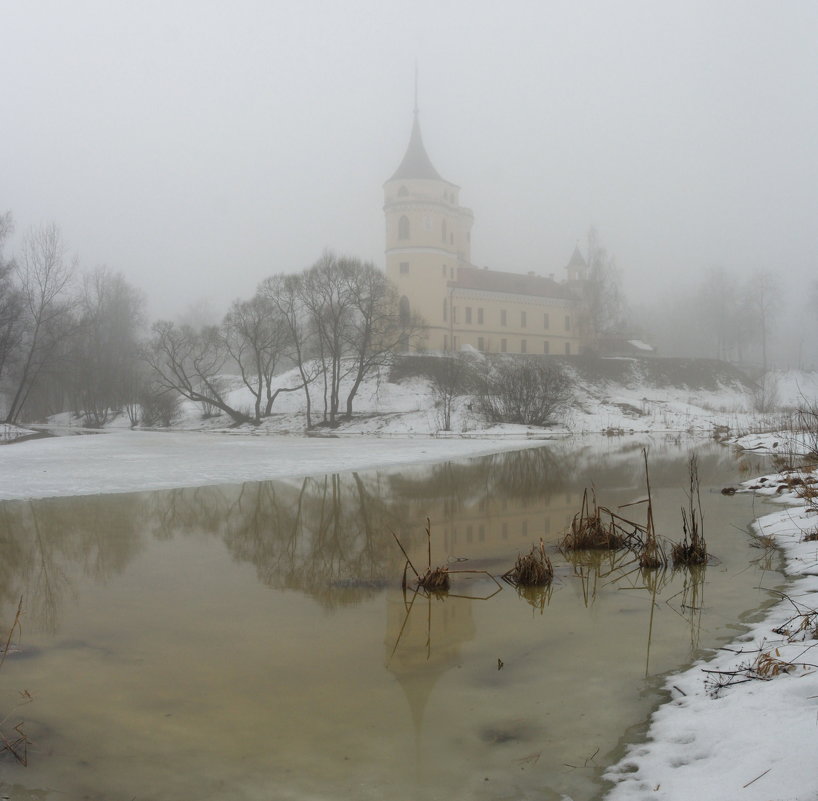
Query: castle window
[545, 320]
[445, 342]
[443, 271]
[567, 323]
[403, 227]
[480, 317]
[454, 314]
[468, 314]
[404, 267]
[522, 319]
[443, 231]
[523, 346]
[503, 346]
[567, 348]
[403, 192]
[503, 317]
[454, 343]
[545, 347]
[481, 345]
[445, 309]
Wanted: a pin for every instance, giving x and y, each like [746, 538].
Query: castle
[428, 257]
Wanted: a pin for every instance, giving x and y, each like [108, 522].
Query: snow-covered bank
[748, 728]
[129, 461]
[610, 395]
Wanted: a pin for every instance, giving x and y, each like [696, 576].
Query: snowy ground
[409, 407]
[127, 461]
[749, 728]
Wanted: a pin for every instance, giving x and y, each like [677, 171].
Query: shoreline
[742, 721]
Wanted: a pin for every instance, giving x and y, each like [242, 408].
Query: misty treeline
[734, 317]
[78, 342]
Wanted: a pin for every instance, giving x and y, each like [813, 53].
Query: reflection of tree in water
[44, 544]
[327, 536]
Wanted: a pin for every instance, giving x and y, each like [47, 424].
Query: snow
[756, 740]
[129, 461]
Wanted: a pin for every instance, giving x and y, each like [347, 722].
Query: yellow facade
[428, 257]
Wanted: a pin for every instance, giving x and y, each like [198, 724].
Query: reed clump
[533, 569]
[434, 580]
[692, 550]
[651, 554]
[594, 528]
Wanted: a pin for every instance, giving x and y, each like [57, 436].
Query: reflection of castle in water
[423, 639]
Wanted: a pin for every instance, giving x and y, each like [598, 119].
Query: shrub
[526, 392]
[160, 407]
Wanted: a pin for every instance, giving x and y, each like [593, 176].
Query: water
[252, 641]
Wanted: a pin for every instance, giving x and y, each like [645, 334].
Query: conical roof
[416, 162]
[576, 259]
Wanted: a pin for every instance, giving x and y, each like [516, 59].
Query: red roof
[509, 283]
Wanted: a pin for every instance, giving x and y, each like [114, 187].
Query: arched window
[443, 231]
[403, 227]
[403, 192]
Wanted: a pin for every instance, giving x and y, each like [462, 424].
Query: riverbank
[609, 396]
[743, 723]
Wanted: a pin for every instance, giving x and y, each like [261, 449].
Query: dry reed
[594, 528]
[651, 554]
[692, 550]
[532, 570]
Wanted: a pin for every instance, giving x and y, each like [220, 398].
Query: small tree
[448, 383]
[526, 392]
[43, 277]
[286, 294]
[256, 336]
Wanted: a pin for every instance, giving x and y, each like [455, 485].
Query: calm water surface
[252, 641]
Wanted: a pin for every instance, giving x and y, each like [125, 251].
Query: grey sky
[198, 147]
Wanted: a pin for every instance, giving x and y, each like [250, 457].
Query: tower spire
[416, 88]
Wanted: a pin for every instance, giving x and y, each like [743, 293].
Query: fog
[199, 147]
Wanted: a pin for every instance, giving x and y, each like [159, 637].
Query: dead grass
[692, 550]
[594, 528]
[434, 580]
[533, 569]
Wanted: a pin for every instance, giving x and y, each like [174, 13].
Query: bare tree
[257, 335]
[191, 362]
[604, 303]
[378, 328]
[448, 383]
[329, 305]
[286, 294]
[761, 300]
[11, 302]
[44, 277]
[106, 358]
